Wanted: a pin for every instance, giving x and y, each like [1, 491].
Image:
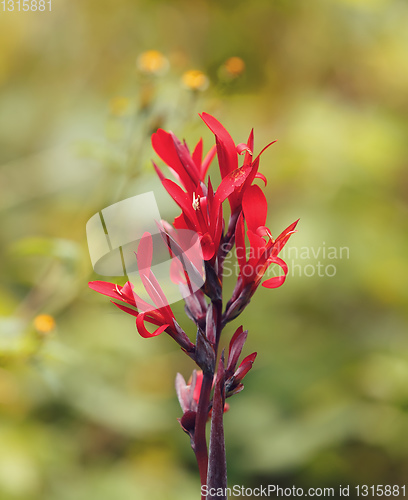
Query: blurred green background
[88, 408]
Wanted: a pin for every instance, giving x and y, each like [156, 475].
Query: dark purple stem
[217, 464]
[199, 441]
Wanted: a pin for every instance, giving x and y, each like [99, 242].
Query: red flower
[189, 170]
[159, 314]
[227, 153]
[262, 252]
[201, 207]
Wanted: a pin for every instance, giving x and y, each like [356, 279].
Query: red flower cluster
[202, 212]
[202, 216]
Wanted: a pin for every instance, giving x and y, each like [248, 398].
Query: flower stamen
[269, 235]
[196, 202]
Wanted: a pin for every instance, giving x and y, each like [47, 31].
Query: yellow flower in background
[152, 62]
[234, 66]
[44, 323]
[195, 79]
[231, 69]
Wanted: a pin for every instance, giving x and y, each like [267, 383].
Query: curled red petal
[243, 148]
[276, 281]
[258, 175]
[143, 331]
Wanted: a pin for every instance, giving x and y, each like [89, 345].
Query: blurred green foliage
[88, 408]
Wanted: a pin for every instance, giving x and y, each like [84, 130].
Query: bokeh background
[87, 407]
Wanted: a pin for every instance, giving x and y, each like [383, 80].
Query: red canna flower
[200, 226]
[189, 170]
[227, 153]
[201, 207]
[262, 252]
[159, 313]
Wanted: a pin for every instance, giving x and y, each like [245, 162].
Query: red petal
[186, 160]
[232, 183]
[164, 144]
[274, 282]
[261, 176]
[235, 348]
[207, 162]
[158, 172]
[277, 281]
[108, 289]
[227, 155]
[177, 274]
[255, 165]
[243, 148]
[258, 246]
[180, 222]
[219, 226]
[207, 246]
[266, 147]
[182, 200]
[144, 332]
[240, 242]
[197, 387]
[255, 207]
[198, 154]
[127, 310]
[250, 144]
[282, 239]
[245, 366]
[145, 253]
